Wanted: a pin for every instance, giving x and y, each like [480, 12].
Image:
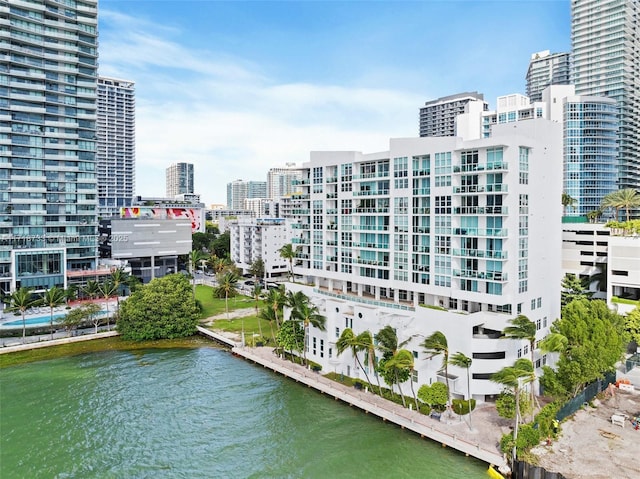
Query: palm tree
[218, 265]
[256, 293]
[628, 199]
[107, 289]
[227, 286]
[567, 201]
[53, 297]
[71, 293]
[119, 277]
[91, 289]
[513, 377]
[195, 257]
[612, 200]
[276, 299]
[402, 362]
[270, 315]
[522, 328]
[21, 300]
[593, 215]
[309, 315]
[349, 340]
[435, 345]
[289, 253]
[369, 349]
[388, 344]
[460, 360]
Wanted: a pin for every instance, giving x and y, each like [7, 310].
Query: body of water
[196, 413]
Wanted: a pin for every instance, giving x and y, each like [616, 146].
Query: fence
[523, 470]
[586, 395]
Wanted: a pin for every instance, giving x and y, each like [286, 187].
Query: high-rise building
[435, 234]
[438, 117]
[280, 181]
[606, 62]
[179, 179]
[546, 68]
[240, 190]
[48, 81]
[116, 146]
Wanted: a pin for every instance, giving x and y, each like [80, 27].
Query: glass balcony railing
[475, 253]
[483, 275]
[480, 232]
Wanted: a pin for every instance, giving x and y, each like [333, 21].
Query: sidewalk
[481, 442]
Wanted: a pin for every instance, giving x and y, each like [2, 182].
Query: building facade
[240, 190]
[48, 82]
[435, 234]
[116, 145]
[438, 117]
[179, 179]
[546, 68]
[606, 61]
[280, 181]
[260, 238]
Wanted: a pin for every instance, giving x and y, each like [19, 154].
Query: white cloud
[228, 118]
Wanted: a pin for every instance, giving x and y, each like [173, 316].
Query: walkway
[479, 443]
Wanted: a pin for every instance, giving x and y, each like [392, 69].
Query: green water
[195, 413]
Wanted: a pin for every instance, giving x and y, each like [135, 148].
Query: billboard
[194, 215]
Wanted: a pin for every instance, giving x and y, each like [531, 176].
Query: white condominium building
[546, 68]
[280, 181]
[435, 234]
[260, 238]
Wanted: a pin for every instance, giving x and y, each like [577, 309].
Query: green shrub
[528, 437]
[506, 405]
[544, 419]
[461, 406]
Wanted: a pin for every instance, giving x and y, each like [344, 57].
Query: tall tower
[280, 181]
[546, 69]
[606, 62]
[179, 179]
[48, 81]
[116, 152]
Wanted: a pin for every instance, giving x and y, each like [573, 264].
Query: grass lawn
[250, 324]
[212, 306]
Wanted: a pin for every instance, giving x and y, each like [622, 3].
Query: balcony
[370, 192]
[371, 245]
[482, 275]
[474, 253]
[480, 210]
[300, 240]
[493, 232]
[477, 167]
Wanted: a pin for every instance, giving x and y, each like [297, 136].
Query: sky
[238, 87]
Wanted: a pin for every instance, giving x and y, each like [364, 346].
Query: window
[337, 332]
[539, 303]
[519, 353]
[538, 324]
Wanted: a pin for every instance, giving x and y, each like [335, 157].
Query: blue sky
[238, 87]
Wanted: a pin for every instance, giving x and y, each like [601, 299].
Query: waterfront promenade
[481, 442]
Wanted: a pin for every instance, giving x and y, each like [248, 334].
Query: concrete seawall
[57, 342]
[373, 404]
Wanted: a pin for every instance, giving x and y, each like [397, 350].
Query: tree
[276, 299]
[401, 364]
[632, 325]
[309, 315]
[356, 344]
[269, 314]
[195, 259]
[227, 287]
[626, 199]
[162, 309]
[222, 245]
[21, 300]
[389, 345]
[523, 328]
[572, 288]
[289, 253]
[256, 294]
[513, 377]
[567, 202]
[461, 361]
[203, 241]
[256, 268]
[290, 336]
[52, 298]
[119, 278]
[435, 345]
[71, 293]
[594, 215]
[590, 339]
[611, 201]
[435, 396]
[107, 289]
[218, 265]
[91, 289]
[91, 311]
[74, 318]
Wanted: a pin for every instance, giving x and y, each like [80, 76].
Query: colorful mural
[192, 214]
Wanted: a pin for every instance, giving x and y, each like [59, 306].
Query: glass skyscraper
[606, 62]
[47, 142]
[179, 178]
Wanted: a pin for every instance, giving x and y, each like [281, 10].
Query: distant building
[240, 190]
[260, 238]
[438, 117]
[179, 178]
[280, 181]
[546, 68]
[151, 246]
